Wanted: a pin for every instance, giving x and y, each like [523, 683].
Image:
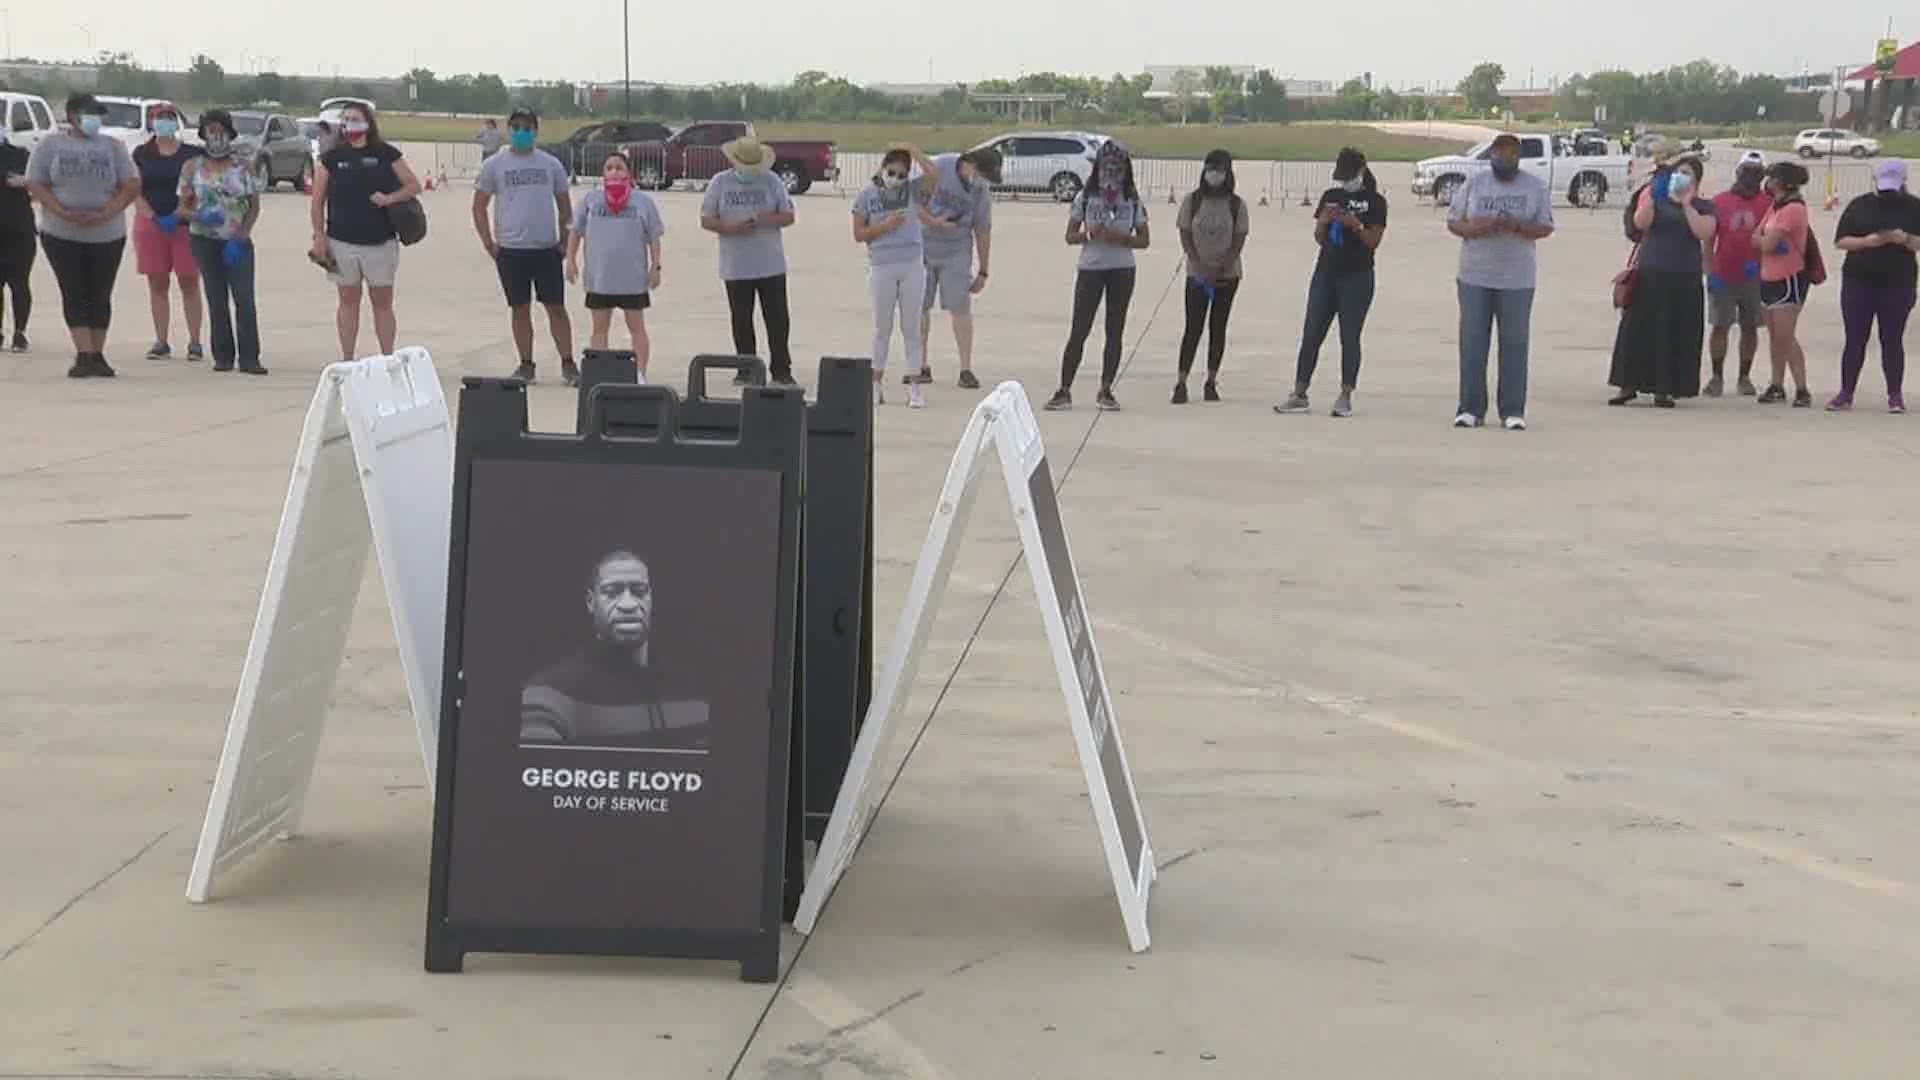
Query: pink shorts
[155, 252]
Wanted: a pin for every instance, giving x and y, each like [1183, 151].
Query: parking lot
[1583, 752]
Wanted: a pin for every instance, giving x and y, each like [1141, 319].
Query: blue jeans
[1347, 294]
[223, 282]
[1479, 307]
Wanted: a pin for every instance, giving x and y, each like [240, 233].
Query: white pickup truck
[1585, 181]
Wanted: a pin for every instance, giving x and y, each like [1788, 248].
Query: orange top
[1792, 220]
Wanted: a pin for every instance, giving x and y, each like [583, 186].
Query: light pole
[626, 63]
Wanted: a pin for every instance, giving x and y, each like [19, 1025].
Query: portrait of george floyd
[614, 688]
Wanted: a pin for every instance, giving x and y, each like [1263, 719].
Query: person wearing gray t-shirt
[961, 206]
[890, 217]
[1108, 223]
[747, 206]
[84, 181]
[1499, 216]
[620, 228]
[526, 188]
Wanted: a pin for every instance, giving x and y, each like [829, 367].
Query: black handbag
[409, 220]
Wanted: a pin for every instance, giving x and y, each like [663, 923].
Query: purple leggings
[1860, 305]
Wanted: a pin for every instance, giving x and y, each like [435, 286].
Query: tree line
[1701, 91]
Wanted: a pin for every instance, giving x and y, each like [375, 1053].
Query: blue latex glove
[1715, 285]
[212, 217]
[237, 252]
[1662, 186]
[166, 223]
[1337, 233]
[1205, 286]
[1784, 248]
[1752, 269]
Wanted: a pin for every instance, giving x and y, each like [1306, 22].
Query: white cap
[1753, 157]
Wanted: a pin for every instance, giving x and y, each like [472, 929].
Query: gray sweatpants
[898, 289]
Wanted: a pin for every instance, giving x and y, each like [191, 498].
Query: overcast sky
[687, 41]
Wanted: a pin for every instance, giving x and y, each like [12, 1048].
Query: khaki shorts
[373, 265]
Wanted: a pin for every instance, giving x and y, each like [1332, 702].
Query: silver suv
[1058, 163]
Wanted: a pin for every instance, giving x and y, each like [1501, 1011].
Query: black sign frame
[493, 427]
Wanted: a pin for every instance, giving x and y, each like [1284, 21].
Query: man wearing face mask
[527, 239]
[962, 210]
[1499, 215]
[84, 181]
[748, 207]
[1733, 282]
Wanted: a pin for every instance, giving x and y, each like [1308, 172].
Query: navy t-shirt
[352, 178]
[160, 175]
[16, 206]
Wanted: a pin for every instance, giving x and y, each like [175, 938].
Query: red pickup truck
[693, 153]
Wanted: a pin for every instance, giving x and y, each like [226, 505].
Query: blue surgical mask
[523, 138]
[741, 172]
[90, 124]
[166, 127]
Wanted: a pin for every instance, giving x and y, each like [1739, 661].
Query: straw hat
[746, 153]
[1667, 153]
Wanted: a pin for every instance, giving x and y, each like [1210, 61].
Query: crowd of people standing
[1699, 264]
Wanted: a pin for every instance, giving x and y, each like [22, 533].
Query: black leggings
[772, 294]
[1088, 289]
[86, 273]
[1211, 312]
[16, 275]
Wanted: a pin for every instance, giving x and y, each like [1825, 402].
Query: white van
[130, 119]
[28, 119]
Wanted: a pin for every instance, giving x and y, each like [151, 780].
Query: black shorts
[599, 301]
[1784, 294]
[526, 273]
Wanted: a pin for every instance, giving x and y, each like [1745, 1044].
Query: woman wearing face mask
[220, 199]
[890, 217]
[620, 228]
[1213, 229]
[1782, 240]
[1349, 226]
[353, 238]
[1880, 232]
[161, 249]
[1657, 346]
[84, 181]
[1108, 223]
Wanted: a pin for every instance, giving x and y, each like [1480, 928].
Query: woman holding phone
[1108, 223]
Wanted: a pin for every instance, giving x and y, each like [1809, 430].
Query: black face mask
[1747, 181]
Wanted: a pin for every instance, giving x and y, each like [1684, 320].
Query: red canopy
[1906, 65]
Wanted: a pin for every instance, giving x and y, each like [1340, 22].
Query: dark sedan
[586, 150]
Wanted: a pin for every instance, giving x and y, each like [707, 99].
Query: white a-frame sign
[1005, 421]
[374, 469]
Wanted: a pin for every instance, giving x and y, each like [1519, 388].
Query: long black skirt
[1657, 349]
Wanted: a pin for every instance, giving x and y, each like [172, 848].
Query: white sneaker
[640, 378]
[879, 395]
[1466, 419]
[916, 397]
[1515, 423]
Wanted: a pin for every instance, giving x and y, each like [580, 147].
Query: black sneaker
[20, 342]
[160, 351]
[1803, 398]
[82, 367]
[1106, 401]
[967, 380]
[1061, 401]
[222, 365]
[524, 373]
[784, 380]
[1211, 391]
[1772, 395]
[923, 376]
[101, 369]
[1179, 393]
[739, 379]
[252, 369]
[569, 371]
